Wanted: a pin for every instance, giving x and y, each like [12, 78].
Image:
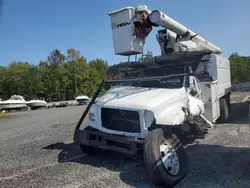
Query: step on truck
[155, 104]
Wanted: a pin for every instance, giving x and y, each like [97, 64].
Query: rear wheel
[165, 157]
[224, 110]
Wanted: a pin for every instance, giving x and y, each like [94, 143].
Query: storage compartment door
[211, 101]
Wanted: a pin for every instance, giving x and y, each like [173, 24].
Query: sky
[31, 29]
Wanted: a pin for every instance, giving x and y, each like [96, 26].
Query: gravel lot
[36, 150]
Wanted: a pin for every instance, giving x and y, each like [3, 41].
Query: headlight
[93, 113]
[149, 118]
[91, 116]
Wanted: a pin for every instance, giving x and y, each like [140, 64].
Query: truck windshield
[140, 75]
[171, 82]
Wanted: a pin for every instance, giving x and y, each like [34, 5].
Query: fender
[195, 106]
[173, 115]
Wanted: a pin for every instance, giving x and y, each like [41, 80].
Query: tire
[153, 158]
[224, 111]
[90, 150]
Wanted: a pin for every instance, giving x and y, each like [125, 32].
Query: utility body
[153, 105]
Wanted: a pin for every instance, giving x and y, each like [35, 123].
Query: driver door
[196, 105]
[194, 87]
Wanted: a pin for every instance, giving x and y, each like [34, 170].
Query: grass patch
[4, 116]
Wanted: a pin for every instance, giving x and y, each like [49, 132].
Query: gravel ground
[36, 150]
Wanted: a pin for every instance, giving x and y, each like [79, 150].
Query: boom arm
[132, 25]
[165, 21]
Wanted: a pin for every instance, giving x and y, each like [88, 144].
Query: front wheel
[165, 157]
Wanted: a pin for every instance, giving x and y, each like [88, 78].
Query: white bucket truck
[154, 105]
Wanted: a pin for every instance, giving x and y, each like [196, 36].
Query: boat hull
[35, 105]
[82, 101]
[12, 106]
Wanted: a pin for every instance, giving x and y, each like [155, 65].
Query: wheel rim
[169, 158]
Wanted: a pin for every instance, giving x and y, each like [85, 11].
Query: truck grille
[120, 120]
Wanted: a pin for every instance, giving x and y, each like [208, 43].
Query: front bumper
[123, 144]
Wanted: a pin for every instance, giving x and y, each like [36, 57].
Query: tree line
[65, 76]
[60, 77]
[240, 68]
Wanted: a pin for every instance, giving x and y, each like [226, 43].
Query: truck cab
[131, 108]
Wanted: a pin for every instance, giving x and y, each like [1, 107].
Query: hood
[139, 97]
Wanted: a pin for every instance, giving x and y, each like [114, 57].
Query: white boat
[15, 102]
[36, 103]
[83, 99]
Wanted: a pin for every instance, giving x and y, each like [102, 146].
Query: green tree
[2, 74]
[43, 85]
[100, 66]
[240, 68]
[56, 58]
[17, 78]
[56, 61]
[77, 65]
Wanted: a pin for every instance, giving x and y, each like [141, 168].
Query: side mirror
[193, 92]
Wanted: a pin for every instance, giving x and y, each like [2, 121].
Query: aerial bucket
[124, 41]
